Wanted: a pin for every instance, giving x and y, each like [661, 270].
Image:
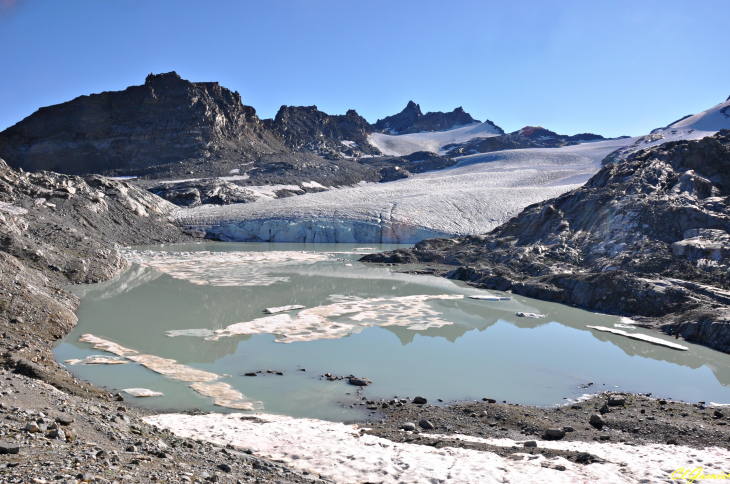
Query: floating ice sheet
[491, 298]
[282, 309]
[225, 396]
[641, 337]
[222, 393]
[316, 323]
[97, 360]
[224, 268]
[338, 452]
[143, 392]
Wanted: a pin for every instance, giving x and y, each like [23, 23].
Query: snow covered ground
[338, 452]
[406, 144]
[475, 196]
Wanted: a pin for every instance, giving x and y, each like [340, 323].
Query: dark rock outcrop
[527, 137]
[166, 121]
[646, 237]
[330, 136]
[412, 120]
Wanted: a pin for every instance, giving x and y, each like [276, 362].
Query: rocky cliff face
[330, 136]
[647, 237]
[527, 137]
[412, 120]
[166, 121]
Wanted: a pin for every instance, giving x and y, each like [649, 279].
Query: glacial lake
[202, 305]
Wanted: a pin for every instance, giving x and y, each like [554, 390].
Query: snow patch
[405, 144]
[339, 452]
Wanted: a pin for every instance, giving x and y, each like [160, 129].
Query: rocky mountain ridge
[647, 237]
[412, 120]
[527, 137]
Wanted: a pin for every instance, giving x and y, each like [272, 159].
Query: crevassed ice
[224, 268]
[203, 381]
[338, 452]
[480, 193]
[311, 324]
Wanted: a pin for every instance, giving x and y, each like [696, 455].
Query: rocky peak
[412, 120]
[167, 120]
[306, 127]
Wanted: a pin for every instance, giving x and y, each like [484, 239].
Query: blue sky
[610, 67]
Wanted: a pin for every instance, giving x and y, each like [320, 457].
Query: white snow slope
[405, 144]
[338, 452]
[478, 194]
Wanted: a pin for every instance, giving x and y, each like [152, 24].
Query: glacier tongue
[480, 193]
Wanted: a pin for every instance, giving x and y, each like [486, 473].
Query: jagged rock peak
[412, 120]
[172, 76]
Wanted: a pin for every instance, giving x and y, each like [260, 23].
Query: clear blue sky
[611, 67]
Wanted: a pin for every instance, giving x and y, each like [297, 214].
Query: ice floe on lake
[222, 393]
[143, 392]
[320, 322]
[341, 453]
[224, 268]
[97, 360]
[641, 337]
[282, 309]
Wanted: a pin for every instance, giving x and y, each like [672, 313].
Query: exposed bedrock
[648, 237]
[315, 231]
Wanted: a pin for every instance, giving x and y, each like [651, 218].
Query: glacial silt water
[202, 306]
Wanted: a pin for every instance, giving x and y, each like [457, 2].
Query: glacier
[481, 192]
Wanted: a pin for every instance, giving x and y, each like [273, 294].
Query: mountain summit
[412, 120]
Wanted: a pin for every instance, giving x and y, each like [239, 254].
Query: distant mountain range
[171, 128]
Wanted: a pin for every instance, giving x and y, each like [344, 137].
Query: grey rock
[408, 426]
[57, 434]
[616, 401]
[530, 443]
[32, 427]
[569, 429]
[420, 401]
[426, 424]
[225, 467]
[9, 448]
[64, 420]
[604, 409]
[554, 433]
[597, 421]
[361, 382]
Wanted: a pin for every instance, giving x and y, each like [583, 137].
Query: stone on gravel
[225, 467]
[426, 424]
[64, 420]
[569, 429]
[57, 434]
[555, 433]
[420, 401]
[9, 448]
[408, 426]
[32, 427]
[530, 443]
[604, 409]
[597, 421]
[489, 400]
[616, 401]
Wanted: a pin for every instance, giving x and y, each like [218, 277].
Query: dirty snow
[338, 451]
[143, 392]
